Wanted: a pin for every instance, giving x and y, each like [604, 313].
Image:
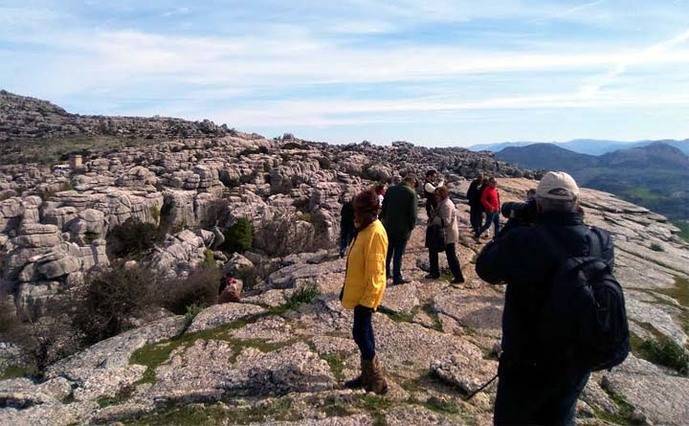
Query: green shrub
[133, 238]
[191, 313]
[199, 289]
[667, 353]
[239, 237]
[209, 259]
[304, 295]
[110, 299]
[155, 213]
[657, 247]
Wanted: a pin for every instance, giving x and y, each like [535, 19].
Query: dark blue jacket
[398, 213]
[521, 258]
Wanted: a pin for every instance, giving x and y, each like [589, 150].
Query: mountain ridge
[652, 175]
[586, 146]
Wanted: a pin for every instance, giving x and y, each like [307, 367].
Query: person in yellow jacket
[364, 288]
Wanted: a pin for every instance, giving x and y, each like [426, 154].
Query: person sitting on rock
[399, 214]
[490, 200]
[364, 288]
[445, 217]
[539, 384]
[347, 228]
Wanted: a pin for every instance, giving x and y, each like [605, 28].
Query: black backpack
[584, 313]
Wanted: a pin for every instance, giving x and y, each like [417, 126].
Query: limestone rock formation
[280, 355]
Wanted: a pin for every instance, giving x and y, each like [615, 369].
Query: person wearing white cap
[540, 383]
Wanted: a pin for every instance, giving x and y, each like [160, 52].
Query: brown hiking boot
[358, 382]
[374, 377]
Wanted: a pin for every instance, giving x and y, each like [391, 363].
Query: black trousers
[362, 331]
[396, 248]
[533, 396]
[476, 218]
[452, 261]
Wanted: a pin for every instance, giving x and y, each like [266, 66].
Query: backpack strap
[597, 245]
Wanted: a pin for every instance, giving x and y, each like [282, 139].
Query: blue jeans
[491, 219]
[533, 396]
[396, 247]
[362, 331]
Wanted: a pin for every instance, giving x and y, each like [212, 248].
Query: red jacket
[490, 199]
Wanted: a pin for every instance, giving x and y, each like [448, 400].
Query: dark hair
[380, 187]
[430, 173]
[410, 178]
[366, 207]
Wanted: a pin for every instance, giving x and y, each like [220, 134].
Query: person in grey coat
[446, 216]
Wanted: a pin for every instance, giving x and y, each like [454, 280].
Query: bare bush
[110, 299]
[199, 289]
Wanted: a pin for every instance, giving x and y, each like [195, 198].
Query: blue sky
[435, 72]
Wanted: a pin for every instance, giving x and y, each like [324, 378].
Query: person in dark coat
[399, 215]
[475, 206]
[347, 228]
[538, 385]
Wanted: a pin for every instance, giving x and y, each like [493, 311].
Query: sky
[433, 72]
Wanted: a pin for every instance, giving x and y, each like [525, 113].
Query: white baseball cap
[557, 186]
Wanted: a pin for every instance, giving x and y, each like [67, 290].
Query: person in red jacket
[490, 200]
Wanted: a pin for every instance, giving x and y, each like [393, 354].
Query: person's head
[530, 194]
[492, 182]
[379, 188]
[410, 180]
[557, 192]
[431, 175]
[480, 178]
[441, 193]
[366, 207]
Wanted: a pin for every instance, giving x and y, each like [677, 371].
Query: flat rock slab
[218, 315]
[48, 414]
[661, 398]
[408, 349]
[116, 351]
[415, 415]
[271, 329]
[472, 308]
[22, 393]
[355, 420]
[401, 298]
[467, 369]
[206, 372]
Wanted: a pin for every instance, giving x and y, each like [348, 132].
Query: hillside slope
[653, 175]
[587, 146]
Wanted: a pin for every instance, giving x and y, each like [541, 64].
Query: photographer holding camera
[564, 311]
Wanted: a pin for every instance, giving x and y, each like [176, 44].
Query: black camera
[520, 213]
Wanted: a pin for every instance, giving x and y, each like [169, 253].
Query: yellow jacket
[365, 276]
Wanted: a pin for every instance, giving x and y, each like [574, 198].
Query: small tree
[239, 237]
[110, 299]
[133, 238]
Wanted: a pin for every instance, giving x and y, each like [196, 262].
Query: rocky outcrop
[281, 354]
[29, 118]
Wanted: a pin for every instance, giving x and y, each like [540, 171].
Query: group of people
[533, 388]
[484, 202]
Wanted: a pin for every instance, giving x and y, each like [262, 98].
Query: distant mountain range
[586, 146]
[654, 174]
